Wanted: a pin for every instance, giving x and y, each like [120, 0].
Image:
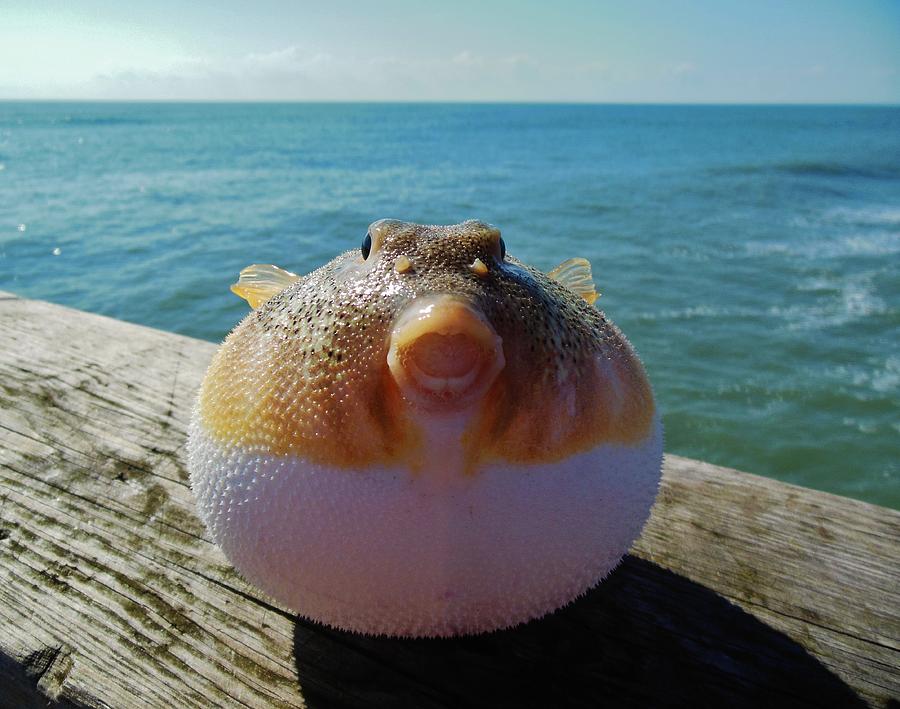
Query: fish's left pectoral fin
[575, 274]
[259, 282]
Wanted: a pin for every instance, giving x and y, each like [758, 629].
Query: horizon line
[487, 102]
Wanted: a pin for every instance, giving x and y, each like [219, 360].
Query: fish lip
[444, 315]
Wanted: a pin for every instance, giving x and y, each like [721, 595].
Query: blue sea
[751, 254]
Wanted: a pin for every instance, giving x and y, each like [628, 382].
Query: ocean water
[751, 254]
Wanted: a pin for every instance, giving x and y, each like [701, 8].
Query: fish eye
[366, 246]
[502, 249]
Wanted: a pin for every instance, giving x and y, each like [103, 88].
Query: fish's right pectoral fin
[259, 282]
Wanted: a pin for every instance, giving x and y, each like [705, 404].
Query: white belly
[384, 551]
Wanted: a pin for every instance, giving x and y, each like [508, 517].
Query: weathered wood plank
[741, 590]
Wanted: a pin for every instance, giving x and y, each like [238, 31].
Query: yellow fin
[259, 282]
[575, 274]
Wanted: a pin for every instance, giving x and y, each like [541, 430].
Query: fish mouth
[444, 353]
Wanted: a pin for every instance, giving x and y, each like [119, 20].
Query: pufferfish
[424, 437]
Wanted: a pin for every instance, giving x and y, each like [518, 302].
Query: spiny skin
[330, 486]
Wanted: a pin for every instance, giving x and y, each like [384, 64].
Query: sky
[665, 51]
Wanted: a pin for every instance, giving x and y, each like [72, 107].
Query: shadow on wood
[27, 684]
[644, 637]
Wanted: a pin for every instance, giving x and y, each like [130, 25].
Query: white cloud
[467, 58]
[683, 68]
[518, 60]
[288, 60]
[288, 73]
[298, 73]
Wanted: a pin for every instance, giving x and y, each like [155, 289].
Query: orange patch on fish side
[603, 401]
[284, 401]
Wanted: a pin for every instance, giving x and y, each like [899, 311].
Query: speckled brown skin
[306, 373]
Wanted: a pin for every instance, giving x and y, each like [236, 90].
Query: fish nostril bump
[479, 268]
[402, 264]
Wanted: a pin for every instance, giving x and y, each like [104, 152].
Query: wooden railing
[742, 591]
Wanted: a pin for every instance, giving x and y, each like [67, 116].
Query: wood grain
[741, 591]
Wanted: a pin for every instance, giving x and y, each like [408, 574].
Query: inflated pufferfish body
[424, 438]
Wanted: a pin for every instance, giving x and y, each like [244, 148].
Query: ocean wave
[838, 303]
[855, 300]
[882, 377]
[888, 378]
[695, 312]
[887, 215]
[806, 168]
[820, 284]
[835, 169]
[591, 208]
[872, 243]
[99, 121]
